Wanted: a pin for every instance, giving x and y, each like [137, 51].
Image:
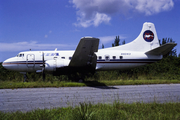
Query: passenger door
[30, 60]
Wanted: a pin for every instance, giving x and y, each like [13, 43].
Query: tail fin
[146, 41]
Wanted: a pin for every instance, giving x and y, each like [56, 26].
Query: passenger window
[107, 57]
[99, 57]
[57, 54]
[63, 57]
[70, 58]
[121, 57]
[114, 57]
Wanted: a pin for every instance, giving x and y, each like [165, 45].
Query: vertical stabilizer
[147, 40]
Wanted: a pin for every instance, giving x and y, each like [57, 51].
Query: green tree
[116, 41]
[173, 51]
[102, 46]
[123, 42]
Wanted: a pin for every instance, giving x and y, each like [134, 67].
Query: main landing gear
[77, 77]
[25, 76]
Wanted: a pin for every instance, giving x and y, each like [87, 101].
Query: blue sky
[46, 25]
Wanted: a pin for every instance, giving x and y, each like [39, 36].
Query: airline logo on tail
[148, 36]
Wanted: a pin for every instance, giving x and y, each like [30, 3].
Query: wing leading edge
[84, 56]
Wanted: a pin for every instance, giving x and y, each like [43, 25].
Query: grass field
[134, 111]
[37, 84]
[117, 110]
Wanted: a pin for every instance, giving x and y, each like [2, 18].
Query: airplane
[145, 49]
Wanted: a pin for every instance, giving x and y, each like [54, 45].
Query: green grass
[38, 84]
[142, 111]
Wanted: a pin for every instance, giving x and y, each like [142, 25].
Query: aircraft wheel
[81, 80]
[25, 78]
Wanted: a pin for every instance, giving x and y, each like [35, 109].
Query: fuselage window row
[51, 54]
[107, 57]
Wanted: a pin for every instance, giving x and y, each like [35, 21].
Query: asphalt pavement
[27, 99]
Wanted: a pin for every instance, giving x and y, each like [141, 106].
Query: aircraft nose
[9, 64]
[4, 64]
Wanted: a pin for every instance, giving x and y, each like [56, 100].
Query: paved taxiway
[33, 98]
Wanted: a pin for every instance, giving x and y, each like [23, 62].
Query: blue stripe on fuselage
[98, 61]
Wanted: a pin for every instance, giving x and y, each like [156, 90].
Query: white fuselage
[143, 50]
[31, 61]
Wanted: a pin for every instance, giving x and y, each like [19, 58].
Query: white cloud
[50, 32]
[45, 36]
[96, 12]
[150, 7]
[108, 39]
[98, 19]
[33, 45]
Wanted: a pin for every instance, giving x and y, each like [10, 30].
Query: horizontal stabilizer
[162, 50]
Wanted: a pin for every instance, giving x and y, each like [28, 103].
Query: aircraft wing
[162, 50]
[84, 54]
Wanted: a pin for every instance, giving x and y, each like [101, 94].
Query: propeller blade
[43, 73]
[43, 69]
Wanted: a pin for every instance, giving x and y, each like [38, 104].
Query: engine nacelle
[51, 65]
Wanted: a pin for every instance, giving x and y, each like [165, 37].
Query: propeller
[43, 68]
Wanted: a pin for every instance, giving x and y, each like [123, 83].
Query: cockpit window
[20, 55]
